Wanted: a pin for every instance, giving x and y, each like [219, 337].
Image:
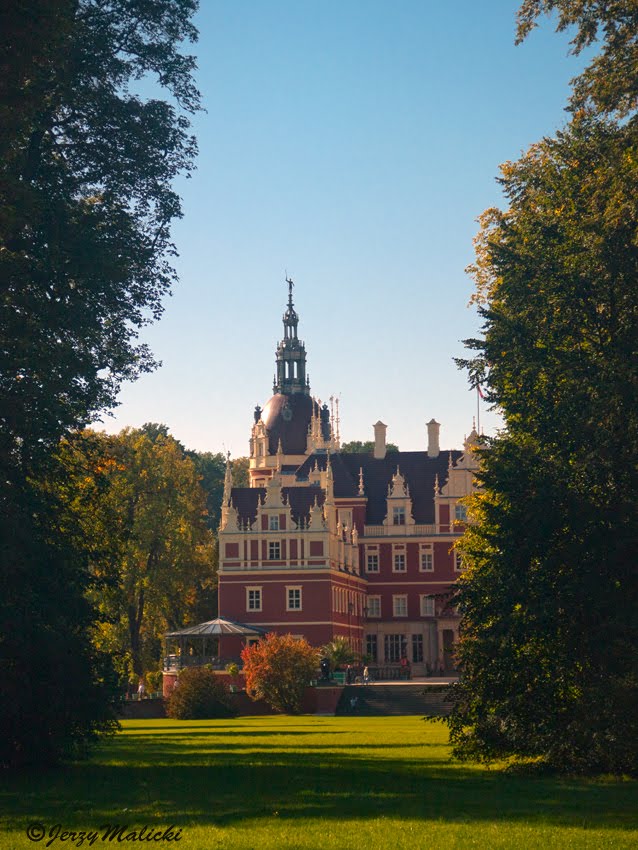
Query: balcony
[398, 530]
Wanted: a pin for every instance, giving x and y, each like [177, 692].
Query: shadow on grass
[185, 780]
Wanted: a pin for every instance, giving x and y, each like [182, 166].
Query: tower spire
[291, 377]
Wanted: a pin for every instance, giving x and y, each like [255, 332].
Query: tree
[549, 645]
[84, 236]
[86, 166]
[609, 84]
[141, 502]
[356, 447]
[240, 472]
[278, 669]
[339, 652]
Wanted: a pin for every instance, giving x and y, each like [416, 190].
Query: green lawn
[270, 783]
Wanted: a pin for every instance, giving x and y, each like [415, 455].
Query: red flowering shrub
[277, 670]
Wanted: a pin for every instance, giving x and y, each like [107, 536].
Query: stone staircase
[380, 700]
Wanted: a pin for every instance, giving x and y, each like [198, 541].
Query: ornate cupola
[291, 355]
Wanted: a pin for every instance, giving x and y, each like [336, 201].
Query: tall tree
[141, 501]
[86, 165]
[549, 649]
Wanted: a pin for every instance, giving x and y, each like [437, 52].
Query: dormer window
[460, 513]
[273, 523]
[398, 516]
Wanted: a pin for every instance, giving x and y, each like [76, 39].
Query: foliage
[277, 669]
[85, 208]
[240, 472]
[549, 646]
[86, 167]
[357, 447]
[141, 502]
[199, 695]
[339, 652]
[609, 84]
[154, 681]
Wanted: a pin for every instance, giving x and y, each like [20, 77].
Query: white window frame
[398, 511]
[400, 600]
[293, 589]
[426, 555]
[428, 605]
[458, 562]
[374, 606]
[273, 522]
[374, 555]
[395, 558]
[271, 549]
[259, 591]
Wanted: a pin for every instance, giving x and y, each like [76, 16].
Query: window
[417, 649]
[400, 606]
[458, 562]
[398, 516]
[372, 649]
[427, 562]
[253, 598]
[274, 551]
[399, 562]
[293, 599]
[427, 606]
[374, 606]
[273, 523]
[395, 647]
[373, 564]
[460, 513]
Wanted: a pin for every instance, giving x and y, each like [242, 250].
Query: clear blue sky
[352, 143]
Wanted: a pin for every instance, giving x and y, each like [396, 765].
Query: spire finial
[361, 491]
[290, 283]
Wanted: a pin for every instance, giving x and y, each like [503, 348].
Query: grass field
[275, 783]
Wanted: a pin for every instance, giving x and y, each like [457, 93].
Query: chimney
[379, 439]
[433, 438]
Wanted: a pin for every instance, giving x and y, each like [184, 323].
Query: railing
[388, 672]
[173, 663]
[398, 530]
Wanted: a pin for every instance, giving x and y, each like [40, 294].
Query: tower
[291, 355]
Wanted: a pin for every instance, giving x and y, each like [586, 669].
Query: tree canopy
[609, 84]
[141, 503]
[367, 447]
[549, 641]
[87, 159]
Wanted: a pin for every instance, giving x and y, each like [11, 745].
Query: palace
[326, 543]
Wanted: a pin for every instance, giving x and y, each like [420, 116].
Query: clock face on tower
[286, 413]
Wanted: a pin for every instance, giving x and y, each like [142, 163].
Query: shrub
[339, 652]
[277, 670]
[199, 695]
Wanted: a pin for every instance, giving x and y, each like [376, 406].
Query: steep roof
[300, 499]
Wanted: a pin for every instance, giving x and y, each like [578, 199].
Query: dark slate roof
[300, 499]
[419, 472]
[417, 468]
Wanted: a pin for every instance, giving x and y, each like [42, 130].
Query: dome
[287, 418]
